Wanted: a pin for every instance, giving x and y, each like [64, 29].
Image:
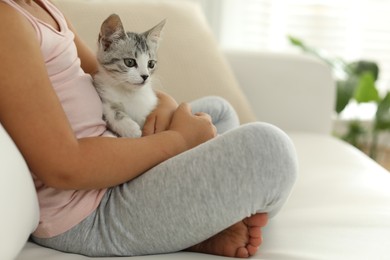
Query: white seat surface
[335, 211]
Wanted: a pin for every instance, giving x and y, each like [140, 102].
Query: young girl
[179, 187]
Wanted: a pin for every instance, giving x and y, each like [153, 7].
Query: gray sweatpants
[192, 196]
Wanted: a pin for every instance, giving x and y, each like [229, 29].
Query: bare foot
[239, 240]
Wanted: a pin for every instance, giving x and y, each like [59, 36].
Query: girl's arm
[33, 116]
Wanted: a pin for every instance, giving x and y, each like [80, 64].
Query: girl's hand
[195, 129]
[160, 118]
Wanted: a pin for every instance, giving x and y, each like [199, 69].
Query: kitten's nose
[145, 77]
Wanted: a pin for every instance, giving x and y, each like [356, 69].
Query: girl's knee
[222, 112]
[275, 149]
[221, 105]
[276, 167]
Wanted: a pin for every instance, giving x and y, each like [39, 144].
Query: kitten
[127, 61]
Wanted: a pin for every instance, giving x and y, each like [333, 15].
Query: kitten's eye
[151, 64]
[130, 62]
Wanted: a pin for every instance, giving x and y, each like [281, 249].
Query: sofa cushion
[190, 63]
[339, 208]
[18, 200]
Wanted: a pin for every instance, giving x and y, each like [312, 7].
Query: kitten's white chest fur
[137, 104]
[125, 110]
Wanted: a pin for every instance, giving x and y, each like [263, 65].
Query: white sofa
[340, 206]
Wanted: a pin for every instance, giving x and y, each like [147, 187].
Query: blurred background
[353, 37]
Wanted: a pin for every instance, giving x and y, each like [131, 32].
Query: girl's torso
[61, 210]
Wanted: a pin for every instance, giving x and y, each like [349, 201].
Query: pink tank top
[61, 210]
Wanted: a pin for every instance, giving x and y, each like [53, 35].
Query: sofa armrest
[19, 204]
[294, 92]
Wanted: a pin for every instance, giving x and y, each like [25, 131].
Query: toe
[255, 237]
[242, 252]
[257, 220]
[252, 249]
[254, 232]
[256, 242]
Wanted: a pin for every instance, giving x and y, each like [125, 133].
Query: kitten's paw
[126, 128]
[132, 133]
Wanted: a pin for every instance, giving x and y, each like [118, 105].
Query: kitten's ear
[154, 34]
[110, 31]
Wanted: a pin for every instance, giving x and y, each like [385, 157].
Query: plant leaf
[345, 90]
[382, 116]
[295, 41]
[366, 90]
[361, 66]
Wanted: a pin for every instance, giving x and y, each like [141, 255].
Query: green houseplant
[355, 81]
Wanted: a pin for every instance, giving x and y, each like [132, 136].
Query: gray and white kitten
[127, 61]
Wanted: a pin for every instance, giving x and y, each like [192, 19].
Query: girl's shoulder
[20, 27]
